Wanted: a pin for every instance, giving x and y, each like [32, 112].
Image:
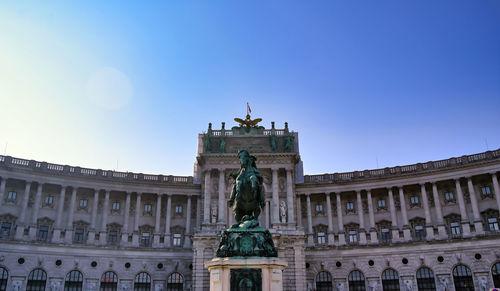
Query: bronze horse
[247, 196]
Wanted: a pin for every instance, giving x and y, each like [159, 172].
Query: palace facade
[428, 226]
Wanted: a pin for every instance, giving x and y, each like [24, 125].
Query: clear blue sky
[365, 83]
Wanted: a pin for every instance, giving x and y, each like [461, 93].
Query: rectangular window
[419, 232]
[319, 207]
[177, 239]
[385, 235]
[11, 196]
[83, 203]
[146, 239]
[349, 206]
[455, 229]
[112, 236]
[493, 224]
[49, 200]
[414, 200]
[148, 208]
[116, 205]
[43, 232]
[321, 238]
[79, 232]
[449, 196]
[178, 209]
[5, 230]
[486, 190]
[381, 203]
[353, 236]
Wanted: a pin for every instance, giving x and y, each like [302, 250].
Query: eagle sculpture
[247, 122]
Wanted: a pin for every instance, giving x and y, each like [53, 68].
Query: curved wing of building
[426, 226]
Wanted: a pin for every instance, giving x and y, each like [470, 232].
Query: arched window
[324, 281]
[109, 282]
[142, 282]
[73, 281]
[425, 279]
[390, 280]
[495, 273]
[36, 280]
[356, 281]
[462, 277]
[4, 276]
[175, 282]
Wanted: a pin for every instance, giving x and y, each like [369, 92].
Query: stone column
[371, 215]
[126, 218]
[404, 214]
[56, 237]
[92, 230]
[2, 189]
[340, 221]
[275, 198]
[156, 235]
[187, 239]
[496, 188]
[463, 211]
[104, 220]
[198, 213]
[68, 238]
[289, 197]
[331, 236]
[222, 197]
[429, 228]
[394, 219]
[478, 223]
[135, 234]
[439, 214]
[206, 206]
[24, 204]
[310, 239]
[21, 225]
[168, 215]
[299, 212]
[266, 210]
[36, 205]
[36, 209]
[361, 218]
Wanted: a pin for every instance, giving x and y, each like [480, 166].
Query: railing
[11, 162]
[398, 170]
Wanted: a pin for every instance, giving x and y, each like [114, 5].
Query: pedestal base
[230, 274]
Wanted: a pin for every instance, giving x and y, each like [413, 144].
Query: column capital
[493, 173]
[289, 169]
[274, 169]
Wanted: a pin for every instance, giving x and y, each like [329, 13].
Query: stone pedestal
[466, 229]
[341, 239]
[429, 232]
[32, 232]
[56, 236]
[442, 234]
[228, 274]
[406, 233]
[478, 225]
[91, 237]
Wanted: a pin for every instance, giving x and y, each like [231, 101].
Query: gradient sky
[367, 84]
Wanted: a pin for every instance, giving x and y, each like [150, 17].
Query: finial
[272, 124]
[209, 126]
[223, 125]
[286, 125]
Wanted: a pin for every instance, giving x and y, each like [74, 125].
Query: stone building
[427, 226]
